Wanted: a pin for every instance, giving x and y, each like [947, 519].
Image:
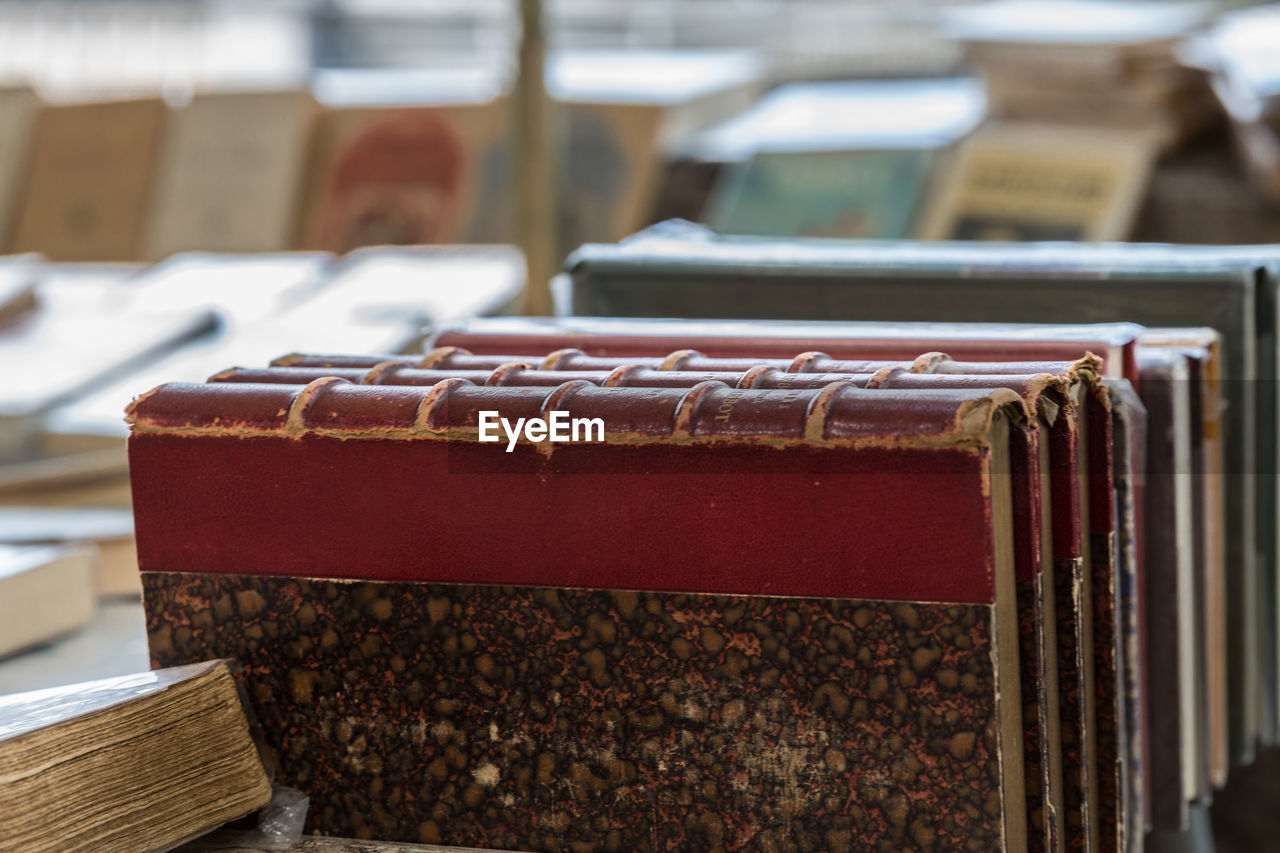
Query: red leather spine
[335, 479]
[846, 343]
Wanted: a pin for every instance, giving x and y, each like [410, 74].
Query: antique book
[682, 270]
[1171, 618]
[108, 530]
[171, 759]
[45, 591]
[1103, 607]
[404, 168]
[19, 106]
[1013, 181]
[482, 690]
[1202, 352]
[1035, 477]
[230, 173]
[88, 181]
[1113, 343]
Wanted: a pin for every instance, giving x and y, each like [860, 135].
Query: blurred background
[187, 186]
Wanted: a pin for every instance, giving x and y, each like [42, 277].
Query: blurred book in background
[1026, 182]
[836, 159]
[1093, 62]
[229, 174]
[88, 180]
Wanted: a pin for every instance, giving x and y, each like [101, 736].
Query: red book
[726, 624]
[1114, 343]
[1054, 400]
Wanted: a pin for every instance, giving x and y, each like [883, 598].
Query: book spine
[837, 412]
[849, 342]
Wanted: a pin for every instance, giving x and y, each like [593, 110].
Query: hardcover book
[171, 758]
[1103, 676]
[1060, 665]
[1171, 618]
[230, 174]
[681, 270]
[548, 701]
[1114, 344]
[1201, 351]
[88, 181]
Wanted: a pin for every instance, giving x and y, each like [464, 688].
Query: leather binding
[675, 269]
[1047, 395]
[335, 480]
[1200, 350]
[1114, 343]
[1170, 625]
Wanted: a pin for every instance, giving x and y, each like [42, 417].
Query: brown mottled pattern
[557, 719]
[1030, 648]
[1072, 705]
[1109, 713]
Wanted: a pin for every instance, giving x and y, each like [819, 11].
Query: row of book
[677, 270]
[1088, 94]
[124, 180]
[808, 586]
[361, 158]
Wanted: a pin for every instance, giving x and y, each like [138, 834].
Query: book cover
[1113, 343]
[670, 642]
[396, 174]
[860, 193]
[88, 181]
[681, 270]
[1170, 617]
[230, 174]
[1028, 182]
[1048, 398]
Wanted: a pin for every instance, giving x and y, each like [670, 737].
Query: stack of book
[1091, 62]
[635, 585]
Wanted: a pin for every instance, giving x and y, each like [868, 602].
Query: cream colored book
[137, 763]
[46, 591]
[108, 530]
[88, 181]
[1033, 182]
[230, 173]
